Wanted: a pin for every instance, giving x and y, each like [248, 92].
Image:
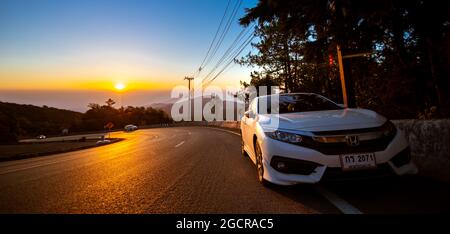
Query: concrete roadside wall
[430, 145]
[225, 124]
[220, 124]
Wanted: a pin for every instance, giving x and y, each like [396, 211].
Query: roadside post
[348, 94]
[109, 125]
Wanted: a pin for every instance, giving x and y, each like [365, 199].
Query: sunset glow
[119, 86]
[106, 48]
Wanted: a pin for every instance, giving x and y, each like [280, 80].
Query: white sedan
[130, 128]
[308, 138]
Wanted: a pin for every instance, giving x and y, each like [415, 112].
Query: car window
[301, 103]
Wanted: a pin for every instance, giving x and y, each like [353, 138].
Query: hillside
[17, 120]
[231, 104]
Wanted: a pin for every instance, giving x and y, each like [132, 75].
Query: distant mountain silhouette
[167, 105]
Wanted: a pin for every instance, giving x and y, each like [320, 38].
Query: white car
[103, 142]
[309, 138]
[130, 128]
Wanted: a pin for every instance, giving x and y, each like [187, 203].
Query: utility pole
[121, 99]
[341, 75]
[348, 91]
[346, 84]
[189, 79]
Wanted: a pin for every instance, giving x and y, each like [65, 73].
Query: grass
[29, 150]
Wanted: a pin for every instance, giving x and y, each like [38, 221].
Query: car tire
[260, 166]
[242, 147]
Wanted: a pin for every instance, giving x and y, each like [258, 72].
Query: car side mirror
[249, 114]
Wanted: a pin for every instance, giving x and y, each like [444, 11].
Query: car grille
[336, 173]
[365, 146]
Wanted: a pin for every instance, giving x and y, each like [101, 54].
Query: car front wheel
[260, 165]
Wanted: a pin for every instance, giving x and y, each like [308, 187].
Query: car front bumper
[329, 166]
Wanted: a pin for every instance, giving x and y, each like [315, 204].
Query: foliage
[405, 76]
[98, 116]
[27, 120]
[18, 121]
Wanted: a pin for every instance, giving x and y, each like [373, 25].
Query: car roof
[289, 94]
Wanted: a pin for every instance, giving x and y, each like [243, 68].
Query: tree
[110, 102]
[97, 116]
[406, 74]
[8, 129]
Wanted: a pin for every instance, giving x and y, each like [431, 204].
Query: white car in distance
[41, 137]
[317, 139]
[130, 128]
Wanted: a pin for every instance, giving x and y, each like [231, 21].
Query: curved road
[191, 170]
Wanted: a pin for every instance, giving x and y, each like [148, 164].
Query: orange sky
[99, 79]
[85, 45]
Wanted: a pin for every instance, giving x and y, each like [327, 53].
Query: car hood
[331, 120]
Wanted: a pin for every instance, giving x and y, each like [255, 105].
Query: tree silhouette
[110, 102]
[406, 75]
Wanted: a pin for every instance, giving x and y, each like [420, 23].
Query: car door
[250, 122]
[244, 127]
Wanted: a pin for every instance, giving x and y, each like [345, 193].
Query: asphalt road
[191, 170]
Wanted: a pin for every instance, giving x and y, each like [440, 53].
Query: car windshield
[299, 103]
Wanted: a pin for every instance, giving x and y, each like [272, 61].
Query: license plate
[358, 161]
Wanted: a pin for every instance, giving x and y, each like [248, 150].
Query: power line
[242, 34]
[215, 36]
[232, 60]
[224, 32]
[235, 50]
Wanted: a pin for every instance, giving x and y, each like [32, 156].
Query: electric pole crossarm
[347, 88]
[357, 55]
[341, 75]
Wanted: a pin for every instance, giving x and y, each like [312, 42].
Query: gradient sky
[90, 45]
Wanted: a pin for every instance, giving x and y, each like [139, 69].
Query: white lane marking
[235, 133]
[179, 144]
[338, 202]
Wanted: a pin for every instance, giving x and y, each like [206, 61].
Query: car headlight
[285, 136]
[389, 129]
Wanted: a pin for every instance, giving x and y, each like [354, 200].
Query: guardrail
[65, 138]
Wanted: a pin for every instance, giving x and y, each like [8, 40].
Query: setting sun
[119, 86]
